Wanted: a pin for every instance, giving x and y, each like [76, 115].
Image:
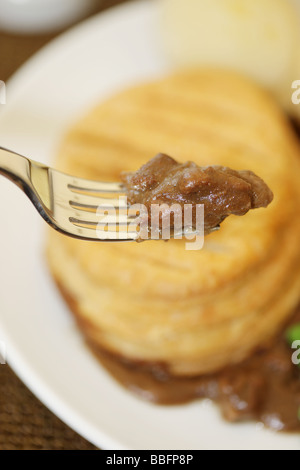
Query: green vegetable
[293, 333]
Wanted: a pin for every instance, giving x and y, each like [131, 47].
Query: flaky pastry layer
[194, 311]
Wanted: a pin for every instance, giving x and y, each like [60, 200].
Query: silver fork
[73, 206]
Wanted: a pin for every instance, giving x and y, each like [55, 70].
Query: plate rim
[43, 391]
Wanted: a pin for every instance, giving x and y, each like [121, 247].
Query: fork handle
[16, 168]
[29, 176]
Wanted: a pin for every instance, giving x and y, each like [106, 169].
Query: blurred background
[260, 38]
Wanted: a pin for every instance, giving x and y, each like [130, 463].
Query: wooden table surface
[25, 423]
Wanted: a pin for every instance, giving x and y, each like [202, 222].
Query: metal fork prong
[88, 186]
[115, 236]
[89, 218]
[90, 202]
[92, 234]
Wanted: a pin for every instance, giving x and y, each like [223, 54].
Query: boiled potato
[260, 38]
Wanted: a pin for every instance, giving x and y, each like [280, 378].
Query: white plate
[44, 347]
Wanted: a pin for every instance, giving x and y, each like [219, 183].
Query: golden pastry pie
[155, 302]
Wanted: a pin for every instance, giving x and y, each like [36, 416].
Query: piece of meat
[222, 191]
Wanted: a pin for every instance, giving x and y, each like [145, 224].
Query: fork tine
[77, 209]
[92, 234]
[90, 202]
[115, 236]
[90, 218]
[91, 231]
[89, 186]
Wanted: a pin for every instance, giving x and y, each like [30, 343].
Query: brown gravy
[265, 387]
